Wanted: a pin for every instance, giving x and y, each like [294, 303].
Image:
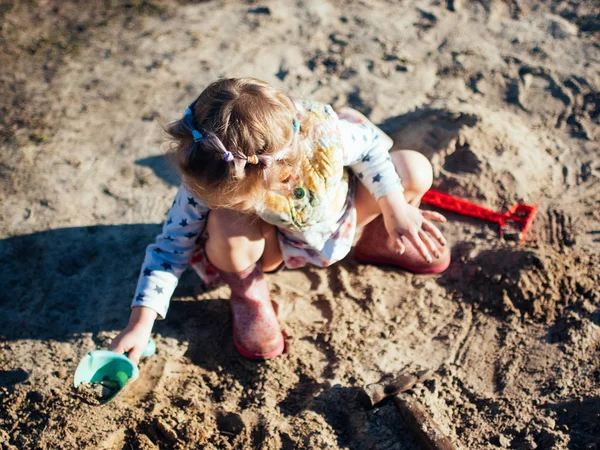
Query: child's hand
[404, 221]
[134, 338]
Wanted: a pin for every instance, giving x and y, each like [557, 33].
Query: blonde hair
[245, 142]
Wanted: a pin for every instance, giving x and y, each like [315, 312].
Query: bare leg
[236, 241]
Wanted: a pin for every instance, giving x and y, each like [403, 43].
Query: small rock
[548, 423]
[504, 441]
[561, 28]
[4, 437]
[166, 430]
[529, 443]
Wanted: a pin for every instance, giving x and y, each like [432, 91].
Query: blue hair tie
[188, 120]
[197, 135]
[296, 125]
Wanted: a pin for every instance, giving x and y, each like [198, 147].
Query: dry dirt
[502, 96]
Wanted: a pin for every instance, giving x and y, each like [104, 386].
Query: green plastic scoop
[108, 371]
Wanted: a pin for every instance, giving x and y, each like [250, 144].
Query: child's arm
[165, 261]
[133, 339]
[366, 151]
[168, 256]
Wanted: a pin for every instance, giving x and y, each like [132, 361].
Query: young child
[269, 183]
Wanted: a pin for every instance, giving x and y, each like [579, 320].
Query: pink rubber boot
[374, 247]
[256, 331]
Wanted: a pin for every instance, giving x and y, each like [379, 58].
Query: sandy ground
[503, 96]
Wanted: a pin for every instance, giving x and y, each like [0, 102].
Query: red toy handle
[460, 206]
[521, 214]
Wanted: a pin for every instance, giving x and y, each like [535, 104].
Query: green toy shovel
[102, 374]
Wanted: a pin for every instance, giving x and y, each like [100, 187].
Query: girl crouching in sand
[270, 183]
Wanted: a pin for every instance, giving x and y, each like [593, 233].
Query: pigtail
[207, 145]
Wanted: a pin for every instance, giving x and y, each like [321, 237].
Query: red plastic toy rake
[519, 216]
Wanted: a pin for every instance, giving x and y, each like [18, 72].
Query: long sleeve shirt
[307, 216]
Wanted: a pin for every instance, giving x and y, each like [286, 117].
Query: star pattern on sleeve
[367, 155]
[167, 257]
[365, 137]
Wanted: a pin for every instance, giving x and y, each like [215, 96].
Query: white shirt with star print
[365, 152]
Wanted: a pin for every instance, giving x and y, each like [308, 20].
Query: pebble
[561, 28]
[548, 422]
[504, 441]
[166, 430]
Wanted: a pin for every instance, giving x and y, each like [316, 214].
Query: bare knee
[415, 172]
[235, 240]
[272, 257]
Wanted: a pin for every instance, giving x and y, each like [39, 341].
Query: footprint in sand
[151, 374]
[541, 94]
[303, 299]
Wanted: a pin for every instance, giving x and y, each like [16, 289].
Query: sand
[502, 96]
[98, 392]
